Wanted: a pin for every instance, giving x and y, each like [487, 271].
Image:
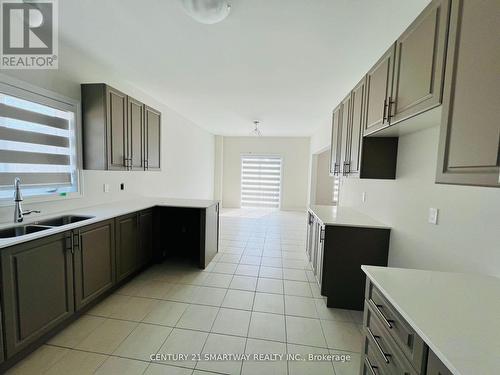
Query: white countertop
[345, 216]
[100, 212]
[456, 314]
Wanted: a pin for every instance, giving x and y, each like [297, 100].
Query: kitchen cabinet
[378, 92]
[335, 153]
[353, 157]
[146, 237]
[391, 345]
[153, 135]
[136, 140]
[188, 233]
[310, 235]
[119, 132]
[37, 287]
[134, 242]
[345, 117]
[127, 245]
[94, 261]
[317, 252]
[343, 283]
[419, 69]
[469, 144]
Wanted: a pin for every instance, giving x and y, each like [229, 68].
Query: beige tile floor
[258, 296]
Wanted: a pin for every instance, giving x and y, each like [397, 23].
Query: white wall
[295, 155]
[187, 150]
[324, 182]
[467, 237]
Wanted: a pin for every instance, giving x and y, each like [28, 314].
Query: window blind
[260, 181]
[37, 144]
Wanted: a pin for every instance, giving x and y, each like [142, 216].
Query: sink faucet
[18, 198]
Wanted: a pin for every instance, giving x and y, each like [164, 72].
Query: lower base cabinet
[127, 244]
[134, 242]
[37, 284]
[391, 345]
[94, 261]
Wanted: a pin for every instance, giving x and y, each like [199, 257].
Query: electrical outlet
[433, 216]
[105, 188]
[363, 197]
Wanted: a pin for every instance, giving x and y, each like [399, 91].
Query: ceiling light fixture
[256, 131]
[207, 11]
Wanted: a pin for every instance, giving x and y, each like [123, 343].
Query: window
[260, 181]
[38, 143]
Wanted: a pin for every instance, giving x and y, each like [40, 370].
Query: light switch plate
[433, 216]
[105, 188]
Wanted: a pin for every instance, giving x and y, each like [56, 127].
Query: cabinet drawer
[405, 337]
[383, 353]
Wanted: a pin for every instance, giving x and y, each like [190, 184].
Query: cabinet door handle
[389, 108]
[322, 235]
[377, 344]
[388, 322]
[370, 366]
[76, 243]
[384, 116]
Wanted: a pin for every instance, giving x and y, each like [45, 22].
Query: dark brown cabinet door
[469, 146]
[345, 118]
[126, 245]
[117, 129]
[136, 132]
[335, 158]
[356, 127]
[420, 57]
[378, 92]
[153, 134]
[37, 281]
[211, 233]
[94, 261]
[146, 237]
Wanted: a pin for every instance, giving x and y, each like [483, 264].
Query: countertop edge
[137, 205]
[365, 221]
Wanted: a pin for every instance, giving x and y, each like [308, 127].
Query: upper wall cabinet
[152, 130]
[345, 122]
[136, 140]
[378, 92]
[335, 154]
[353, 156]
[469, 151]
[419, 64]
[118, 130]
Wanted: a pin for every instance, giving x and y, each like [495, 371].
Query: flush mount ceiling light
[207, 11]
[256, 131]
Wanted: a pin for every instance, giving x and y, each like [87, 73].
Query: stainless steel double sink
[38, 226]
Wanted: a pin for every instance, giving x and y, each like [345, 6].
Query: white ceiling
[284, 62]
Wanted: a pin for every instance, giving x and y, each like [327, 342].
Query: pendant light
[207, 11]
[256, 131]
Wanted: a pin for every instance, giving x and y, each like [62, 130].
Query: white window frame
[281, 176]
[26, 91]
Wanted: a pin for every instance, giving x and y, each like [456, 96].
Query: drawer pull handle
[377, 344]
[370, 366]
[388, 322]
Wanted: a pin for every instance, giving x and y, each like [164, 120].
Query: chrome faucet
[18, 198]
